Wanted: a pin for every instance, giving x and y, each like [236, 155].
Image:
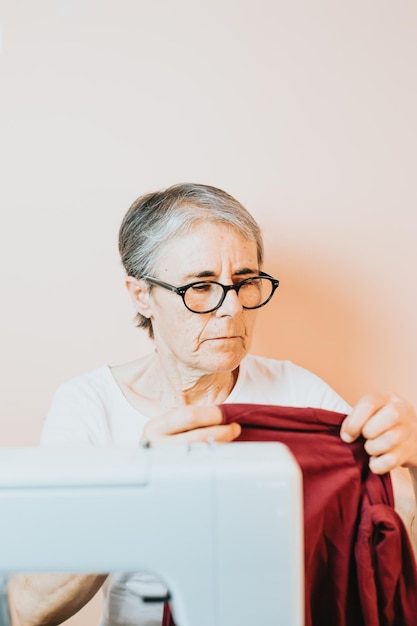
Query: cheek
[249, 319]
[179, 326]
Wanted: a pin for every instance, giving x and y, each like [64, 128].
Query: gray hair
[156, 218]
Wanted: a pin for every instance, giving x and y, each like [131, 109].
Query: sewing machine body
[220, 525]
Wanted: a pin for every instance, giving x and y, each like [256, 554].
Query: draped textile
[359, 564]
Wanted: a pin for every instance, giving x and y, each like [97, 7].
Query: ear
[139, 294]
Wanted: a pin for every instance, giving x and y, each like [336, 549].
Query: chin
[225, 362]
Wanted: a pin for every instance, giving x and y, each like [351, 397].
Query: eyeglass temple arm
[160, 283]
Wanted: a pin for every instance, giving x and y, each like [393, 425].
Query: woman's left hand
[389, 425]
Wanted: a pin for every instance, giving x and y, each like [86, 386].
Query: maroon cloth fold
[359, 565]
[167, 617]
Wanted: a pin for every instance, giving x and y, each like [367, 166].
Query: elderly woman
[193, 257]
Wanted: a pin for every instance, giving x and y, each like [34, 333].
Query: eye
[202, 287]
[252, 281]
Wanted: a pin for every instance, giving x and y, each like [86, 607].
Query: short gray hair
[156, 218]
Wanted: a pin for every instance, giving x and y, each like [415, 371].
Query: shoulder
[96, 388]
[266, 380]
[276, 371]
[91, 408]
[90, 383]
[254, 363]
[79, 406]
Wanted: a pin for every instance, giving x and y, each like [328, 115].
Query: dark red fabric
[359, 565]
[167, 617]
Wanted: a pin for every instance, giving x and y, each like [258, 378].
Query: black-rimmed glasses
[207, 296]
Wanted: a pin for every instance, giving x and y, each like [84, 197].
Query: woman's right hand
[189, 424]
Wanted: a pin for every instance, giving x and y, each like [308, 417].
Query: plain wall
[305, 111]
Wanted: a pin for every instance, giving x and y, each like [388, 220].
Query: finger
[366, 407]
[383, 444]
[223, 433]
[382, 463]
[383, 420]
[385, 462]
[394, 448]
[183, 420]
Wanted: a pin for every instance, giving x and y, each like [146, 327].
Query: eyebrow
[211, 274]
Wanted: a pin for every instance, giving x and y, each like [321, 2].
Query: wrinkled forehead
[209, 247]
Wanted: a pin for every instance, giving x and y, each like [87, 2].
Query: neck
[177, 386]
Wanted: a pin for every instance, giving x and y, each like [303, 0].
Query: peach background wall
[305, 111]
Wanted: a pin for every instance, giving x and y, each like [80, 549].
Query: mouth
[225, 338]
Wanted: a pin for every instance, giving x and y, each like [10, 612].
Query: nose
[231, 305]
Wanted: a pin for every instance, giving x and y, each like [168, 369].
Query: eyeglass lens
[205, 296]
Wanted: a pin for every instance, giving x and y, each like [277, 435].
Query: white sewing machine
[220, 525]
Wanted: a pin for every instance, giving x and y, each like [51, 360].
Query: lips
[224, 337]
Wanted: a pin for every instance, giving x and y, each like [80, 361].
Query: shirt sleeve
[76, 416]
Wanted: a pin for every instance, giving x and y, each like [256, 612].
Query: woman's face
[210, 342]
